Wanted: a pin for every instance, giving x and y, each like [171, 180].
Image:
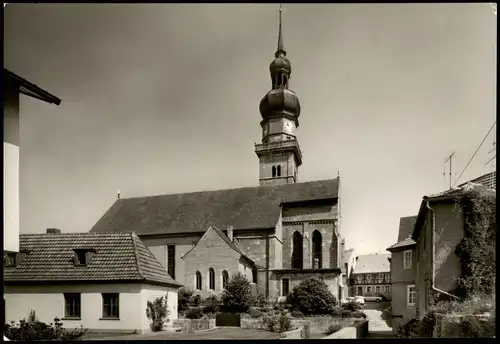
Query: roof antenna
[338, 173]
[118, 196]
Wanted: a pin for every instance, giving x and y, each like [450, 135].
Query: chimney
[230, 232]
[53, 231]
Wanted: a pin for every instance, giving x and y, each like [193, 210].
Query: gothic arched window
[297, 251]
[279, 170]
[225, 279]
[254, 275]
[274, 171]
[211, 279]
[198, 280]
[316, 249]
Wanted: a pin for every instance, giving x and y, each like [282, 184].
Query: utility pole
[450, 160]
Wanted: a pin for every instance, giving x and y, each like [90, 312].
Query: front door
[360, 291]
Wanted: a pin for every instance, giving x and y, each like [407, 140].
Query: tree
[157, 311]
[312, 296]
[237, 297]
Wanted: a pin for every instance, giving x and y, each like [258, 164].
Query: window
[274, 171]
[10, 259]
[297, 251]
[72, 304]
[368, 289]
[211, 279]
[278, 171]
[81, 257]
[285, 287]
[254, 275]
[411, 295]
[198, 280]
[316, 248]
[377, 289]
[380, 276]
[171, 260]
[110, 306]
[387, 288]
[225, 279]
[360, 291]
[407, 259]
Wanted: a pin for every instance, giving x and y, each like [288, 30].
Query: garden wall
[193, 325]
[356, 331]
[303, 332]
[315, 321]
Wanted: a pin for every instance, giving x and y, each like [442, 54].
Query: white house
[13, 86]
[101, 281]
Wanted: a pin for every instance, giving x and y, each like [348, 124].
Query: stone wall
[314, 321]
[193, 325]
[357, 330]
[303, 332]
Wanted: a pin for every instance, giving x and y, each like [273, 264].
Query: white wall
[11, 170]
[48, 303]
[151, 293]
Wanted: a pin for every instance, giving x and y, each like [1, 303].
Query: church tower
[279, 153]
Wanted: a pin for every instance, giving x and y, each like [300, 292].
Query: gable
[211, 240]
[243, 208]
[406, 225]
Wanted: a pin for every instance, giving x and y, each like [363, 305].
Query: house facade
[284, 231]
[13, 86]
[99, 281]
[371, 275]
[403, 289]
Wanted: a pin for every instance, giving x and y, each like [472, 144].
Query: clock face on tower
[266, 130]
[288, 127]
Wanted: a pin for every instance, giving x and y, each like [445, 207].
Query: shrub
[254, 313]
[157, 311]
[345, 313]
[212, 304]
[194, 313]
[352, 306]
[297, 314]
[196, 300]
[358, 314]
[33, 329]
[261, 300]
[184, 296]
[333, 328]
[312, 296]
[278, 323]
[237, 297]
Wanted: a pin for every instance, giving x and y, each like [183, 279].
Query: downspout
[433, 248]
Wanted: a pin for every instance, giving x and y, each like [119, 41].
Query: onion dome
[280, 101]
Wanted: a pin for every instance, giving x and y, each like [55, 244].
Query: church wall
[312, 212]
[158, 246]
[254, 245]
[277, 242]
[288, 230]
[202, 257]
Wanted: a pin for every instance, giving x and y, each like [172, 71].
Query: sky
[164, 98]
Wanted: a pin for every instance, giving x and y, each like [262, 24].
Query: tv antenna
[450, 158]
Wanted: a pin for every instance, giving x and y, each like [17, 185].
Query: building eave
[90, 282]
[27, 88]
[307, 271]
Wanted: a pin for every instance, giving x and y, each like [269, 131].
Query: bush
[312, 296]
[157, 311]
[237, 297]
[212, 304]
[297, 314]
[278, 323]
[196, 300]
[33, 329]
[333, 328]
[352, 306]
[261, 300]
[254, 313]
[358, 314]
[345, 313]
[184, 296]
[194, 313]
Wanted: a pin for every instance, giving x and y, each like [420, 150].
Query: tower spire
[281, 48]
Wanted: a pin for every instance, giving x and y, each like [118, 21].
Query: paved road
[377, 327]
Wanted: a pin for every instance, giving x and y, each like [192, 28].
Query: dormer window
[10, 259]
[82, 257]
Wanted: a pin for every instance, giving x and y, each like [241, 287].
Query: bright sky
[164, 98]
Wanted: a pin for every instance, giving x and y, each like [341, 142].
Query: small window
[198, 280]
[274, 171]
[110, 306]
[285, 287]
[211, 279]
[387, 288]
[411, 295]
[368, 289]
[81, 257]
[10, 259]
[72, 304]
[377, 289]
[171, 260]
[225, 279]
[254, 275]
[407, 259]
[279, 171]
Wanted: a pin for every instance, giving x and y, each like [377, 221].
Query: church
[277, 233]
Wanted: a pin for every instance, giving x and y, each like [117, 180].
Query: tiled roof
[406, 225]
[243, 208]
[489, 180]
[116, 257]
[403, 243]
[372, 263]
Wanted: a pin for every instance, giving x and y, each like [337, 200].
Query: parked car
[360, 300]
[375, 298]
[347, 300]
